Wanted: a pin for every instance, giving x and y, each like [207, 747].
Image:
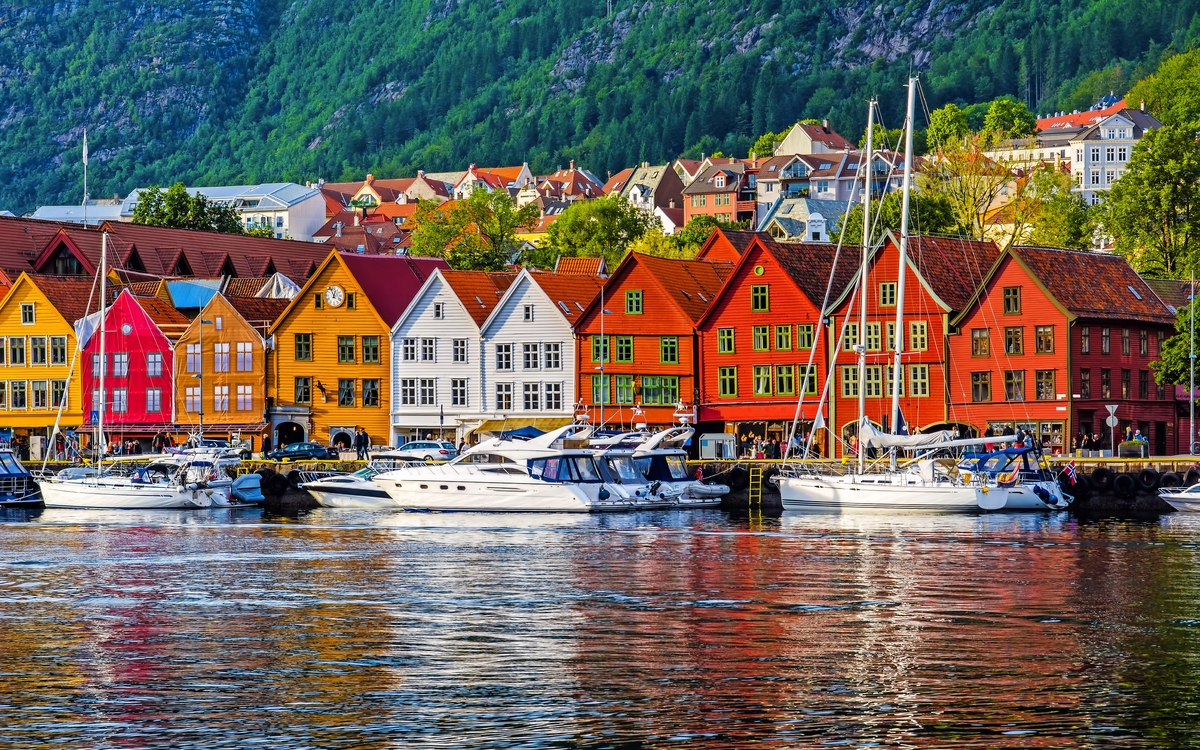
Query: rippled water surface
[363, 629]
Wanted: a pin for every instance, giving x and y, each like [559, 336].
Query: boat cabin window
[678, 468]
[10, 465]
[660, 468]
[625, 470]
[564, 469]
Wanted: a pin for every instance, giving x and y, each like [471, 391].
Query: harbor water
[220, 628]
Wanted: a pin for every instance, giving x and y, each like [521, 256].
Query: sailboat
[925, 484]
[157, 485]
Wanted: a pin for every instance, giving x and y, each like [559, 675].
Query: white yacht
[156, 485]
[510, 474]
[662, 463]
[357, 489]
[1182, 499]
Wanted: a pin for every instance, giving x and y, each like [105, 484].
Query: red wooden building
[138, 383]
[942, 273]
[647, 354]
[762, 334]
[1053, 336]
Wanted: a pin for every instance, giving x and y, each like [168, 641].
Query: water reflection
[376, 629]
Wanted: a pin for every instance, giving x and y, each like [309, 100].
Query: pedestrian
[462, 446]
[266, 442]
[362, 442]
[1128, 433]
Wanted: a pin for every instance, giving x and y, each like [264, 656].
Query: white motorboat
[509, 474]
[158, 485]
[1182, 499]
[1030, 485]
[626, 480]
[357, 489]
[662, 463]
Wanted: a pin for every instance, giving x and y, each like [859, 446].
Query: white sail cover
[279, 287]
[873, 438]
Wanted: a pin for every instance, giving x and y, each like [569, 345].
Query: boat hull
[433, 489]
[124, 496]
[848, 495]
[361, 495]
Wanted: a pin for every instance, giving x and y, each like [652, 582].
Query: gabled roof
[824, 135]
[725, 244]
[389, 281]
[581, 266]
[144, 288]
[259, 312]
[170, 321]
[249, 287]
[616, 183]
[570, 293]
[68, 294]
[478, 291]
[690, 167]
[1079, 119]
[22, 241]
[691, 285]
[1176, 293]
[705, 182]
[1094, 285]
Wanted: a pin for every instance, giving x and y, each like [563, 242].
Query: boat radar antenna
[638, 421]
[683, 415]
[582, 416]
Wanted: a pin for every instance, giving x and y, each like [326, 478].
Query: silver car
[429, 451]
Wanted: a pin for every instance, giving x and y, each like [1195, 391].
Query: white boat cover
[873, 438]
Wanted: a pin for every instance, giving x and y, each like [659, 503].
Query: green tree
[970, 181]
[893, 139]
[1172, 93]
[931, 214]
[177, 209]
[1062, 218]
[474, 234]
[1153, 212]
[764, 147]
[601, 227]
[947, 124]
[1009, 119]
[1173, 363]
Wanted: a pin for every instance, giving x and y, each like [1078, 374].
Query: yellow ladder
[754, 495]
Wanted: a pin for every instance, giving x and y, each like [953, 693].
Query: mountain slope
[231, 90]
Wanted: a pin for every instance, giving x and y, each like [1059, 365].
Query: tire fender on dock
[1125, 485]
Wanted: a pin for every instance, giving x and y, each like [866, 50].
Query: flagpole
[1191, 368]
[85, 193]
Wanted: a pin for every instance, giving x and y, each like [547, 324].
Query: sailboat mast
[898, 370]
[103, 356]
[862, 292]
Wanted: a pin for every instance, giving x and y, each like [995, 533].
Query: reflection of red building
[1051, 337]
[758, 337]
[942, 274]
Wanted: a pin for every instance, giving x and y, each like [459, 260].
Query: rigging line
[924, 103]
[833, 370]
[70, 374]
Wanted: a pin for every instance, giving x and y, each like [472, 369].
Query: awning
[545, 424]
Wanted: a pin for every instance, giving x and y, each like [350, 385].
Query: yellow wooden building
[330, 371]
[221, 369]
[37, 346]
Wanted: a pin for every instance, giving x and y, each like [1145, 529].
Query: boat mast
[103, 357]
[862, 292]
[1191, 369]
[898, 369]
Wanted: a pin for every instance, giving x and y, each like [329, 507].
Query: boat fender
[1042, 493]
[1170, 479]
[1148, 479]
[1102, 478]
[1192, 476]
[1082, 489]
[1124, 485]
[194, 486]
[603, 494]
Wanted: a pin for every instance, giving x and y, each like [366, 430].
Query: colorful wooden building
[138, 364]
[1050, 339]
[330, 370]
[762, 335]
[644, 355]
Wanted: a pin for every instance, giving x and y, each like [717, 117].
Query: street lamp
[200, 375]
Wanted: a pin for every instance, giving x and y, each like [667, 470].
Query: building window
[17, 394]
[221, 357]
[762, 380]
[191, 399]
[1124, 383]
[785, 380]
[760, 298]
[887, 294]
[918, 376]
[408, 349]
[783, 338]
[58, 350]
[600, 391]
[27, 318]
[918, 336]
[1044, 383]
[624, 348]
[245, 397]
[302, 393]
[1143, 384]
[623, 387]
[1122, 153]
[428, 350]
[120, 364]
[428, 392]
[527, 313]
[345, 392]
[459, 348]
[668, 350]
[303, 350]
[1085, 384]
[1014, 340]
[245, 356]
[58, 393]
[725, 343]
[727, 382]
[532, 394]
[4, 394]
[1095, 153]
[219, 322]
[600, 351]
[1044, 339]
[439, 311]
[889, 342]
[1158, 341]
[220, 398]
[660, 389]
[872, 384]
[981, 387]
[1125, 341]
[38, 394]
[1105, 383]
[345, 349]
[980, 342]
[762, 338]
[317, 303]
[96, 364]
[633, 302]
[531, 356]
[504, 357]
[408, 391]
[849, 381]
[458, 392]
[1105, 339]
[1144, 342]
[1085, 340]
[1012, 300]
[553, 397]
[37, 350]
[16, 350]
[370, 392]
[804, 336]
[851, 337]
[552, 354]
[808, 379]
[874, 332]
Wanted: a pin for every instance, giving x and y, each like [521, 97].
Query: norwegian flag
[1070, 472]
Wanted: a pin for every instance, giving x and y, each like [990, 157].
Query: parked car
[225, 445]
[303, 452]
[426, 450]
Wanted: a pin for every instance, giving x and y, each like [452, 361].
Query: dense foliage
[478, 233]
[215, 92]
[177, 209]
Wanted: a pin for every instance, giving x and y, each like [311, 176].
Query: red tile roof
[479, 291]
[809, 266]
[617, 182]
[1079, 119]
[571, 294]
[244, 287]
[169, 320]
[390, 281]
[953, 268]
[68, 294]
[259, 312]
[821, 134]
[1095, 285]
[143, 288]
[579, 266]
[691, 284]
[22, 241]
[1175, 292]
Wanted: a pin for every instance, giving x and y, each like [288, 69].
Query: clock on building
[335, 296]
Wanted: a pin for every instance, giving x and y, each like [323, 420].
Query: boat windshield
[678, 468]
[625, 470]
[564, 469]
[365, 473]
[10, 464]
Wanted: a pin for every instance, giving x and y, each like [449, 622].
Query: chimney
[337, 226]
[356, 218]
[572, 164]
[671, 203]
[825, 124]
[645, 165]
[1142, 106]
[370, 178]
[421, 173]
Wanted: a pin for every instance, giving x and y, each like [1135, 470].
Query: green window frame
[370, 350]
[346, 392]
[623, 386]
[600, 348]
[668, 350]
[660, 390]
[727, 382]
[762, 338]
[370, 392]
[601, 393]
[785, 380]
[624, 348]
[346, 350]
[633, 302]
[851, 339]
[808, 379]
[762, 380]
[725, 341]
[783, 338]
[303, 391]
[303, 349]
[804, 336]
[760, 298]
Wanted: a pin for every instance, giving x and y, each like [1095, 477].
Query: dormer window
[771, 168]
[720, 181]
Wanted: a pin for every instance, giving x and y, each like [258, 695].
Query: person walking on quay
[462, 446]
[362, 442]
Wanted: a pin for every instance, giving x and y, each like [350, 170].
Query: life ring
[1148, 480]
[1170, 479]
[1102, 478]
[1124, 485]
